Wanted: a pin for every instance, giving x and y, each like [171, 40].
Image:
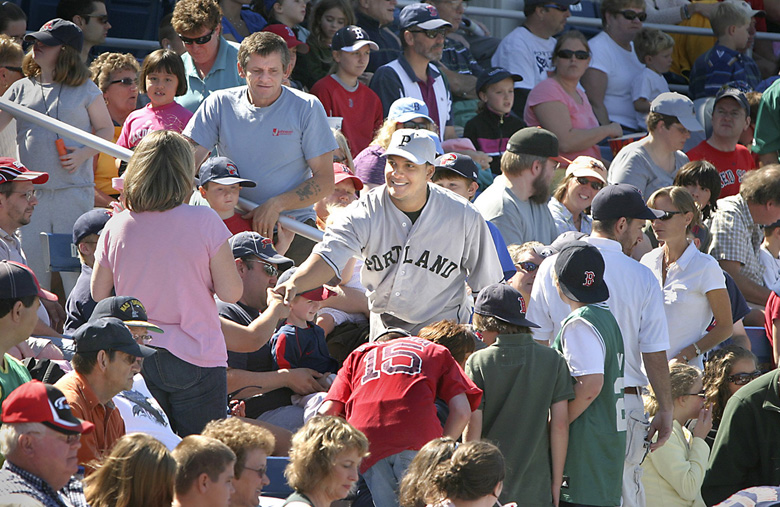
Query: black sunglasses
[595, 185]
[528, 266]
[556, 7]
[102, 18]
[413, 125]
[632, 15]
[432, 34]
[199, 40]
[668, 215]
[15, 69]
[127, 81]
[742, 379]
[567, 54]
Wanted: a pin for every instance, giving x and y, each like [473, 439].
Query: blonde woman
[139, 472]
[324, 460]
[174, 257]
[692, 282]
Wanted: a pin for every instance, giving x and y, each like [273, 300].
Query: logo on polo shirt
[280, 132]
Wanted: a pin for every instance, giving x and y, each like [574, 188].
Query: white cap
[679, 106]
[413, 145]
[587, 166]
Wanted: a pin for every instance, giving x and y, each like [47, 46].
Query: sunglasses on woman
[632, 15]
[414, 125]
[198, 40]
[527, 266]
[568, 54]
[595, 185]
[668, 215]
[742, 379]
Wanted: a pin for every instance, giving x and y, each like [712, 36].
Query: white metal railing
[109, 148]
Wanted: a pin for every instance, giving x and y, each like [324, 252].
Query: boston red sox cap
[458, 163]
[504, 303]
[580, 271]
[351, 38]
[222, 170]
[249, 243]
[58, 31]
[35, 401]
[423, 16]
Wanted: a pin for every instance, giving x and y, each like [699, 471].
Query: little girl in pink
[162, 79]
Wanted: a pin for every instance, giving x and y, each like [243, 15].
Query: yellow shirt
[106, 169]
[687, 48]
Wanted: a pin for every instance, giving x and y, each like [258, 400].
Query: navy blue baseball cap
[58, 32]
[458, 163]
[494, 75]
[222, 170]
[580, 271]
[108, 333]
[18, 281]
[251, 243]
[734, 93]
[351, 38]
[423, 16]
[621, 200]
[91, 222]
[504, 303]
[125, 308]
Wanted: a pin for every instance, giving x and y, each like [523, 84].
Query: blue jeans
[385, 475]
[190, 395]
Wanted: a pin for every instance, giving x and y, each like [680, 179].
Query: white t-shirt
[142, 414]
[523, 53]
[583, 348]
[649, 85]
[771, 269]
[622, 69]
[687, 309]
[634, 297]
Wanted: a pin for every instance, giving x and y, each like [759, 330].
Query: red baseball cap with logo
[42, 403]
[342, 172]
[286, 33]
[13, 170]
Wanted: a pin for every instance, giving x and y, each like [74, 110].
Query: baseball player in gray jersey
[419, 242]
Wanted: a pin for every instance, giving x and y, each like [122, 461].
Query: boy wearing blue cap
[592, 344]
[343, 95]
[86, 232]
[220, 183]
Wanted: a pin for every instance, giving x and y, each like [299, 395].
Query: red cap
[342, 172]
[318, 294]
[286, 33]
[13, 170]
[42, 403]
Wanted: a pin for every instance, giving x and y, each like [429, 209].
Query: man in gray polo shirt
[277, 136]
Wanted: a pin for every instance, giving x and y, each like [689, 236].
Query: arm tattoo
[308, 190]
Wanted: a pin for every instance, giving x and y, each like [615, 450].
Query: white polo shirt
[688, 311]
[634, 298]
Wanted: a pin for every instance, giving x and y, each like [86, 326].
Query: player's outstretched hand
[276, 304]
[662, 425]
[303, 381]
[287, 291]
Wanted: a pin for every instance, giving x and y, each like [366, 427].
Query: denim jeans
[385, 475]
[190, 395]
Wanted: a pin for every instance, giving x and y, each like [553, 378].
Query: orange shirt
[109, 425]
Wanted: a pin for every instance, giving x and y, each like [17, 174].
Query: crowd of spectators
[420, 265]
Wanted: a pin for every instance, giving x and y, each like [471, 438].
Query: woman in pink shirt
[174, 258]
[559, 103]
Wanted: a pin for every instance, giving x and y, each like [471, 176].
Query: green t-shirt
[521, 380]
[597, 438]
[12, 375]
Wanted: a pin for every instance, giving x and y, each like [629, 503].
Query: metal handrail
[109, 148]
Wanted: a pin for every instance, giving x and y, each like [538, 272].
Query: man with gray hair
[40, 439]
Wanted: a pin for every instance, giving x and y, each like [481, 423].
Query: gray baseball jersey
[415, 272]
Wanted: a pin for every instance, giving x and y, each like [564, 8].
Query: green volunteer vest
[14, 375]
[597, 438]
